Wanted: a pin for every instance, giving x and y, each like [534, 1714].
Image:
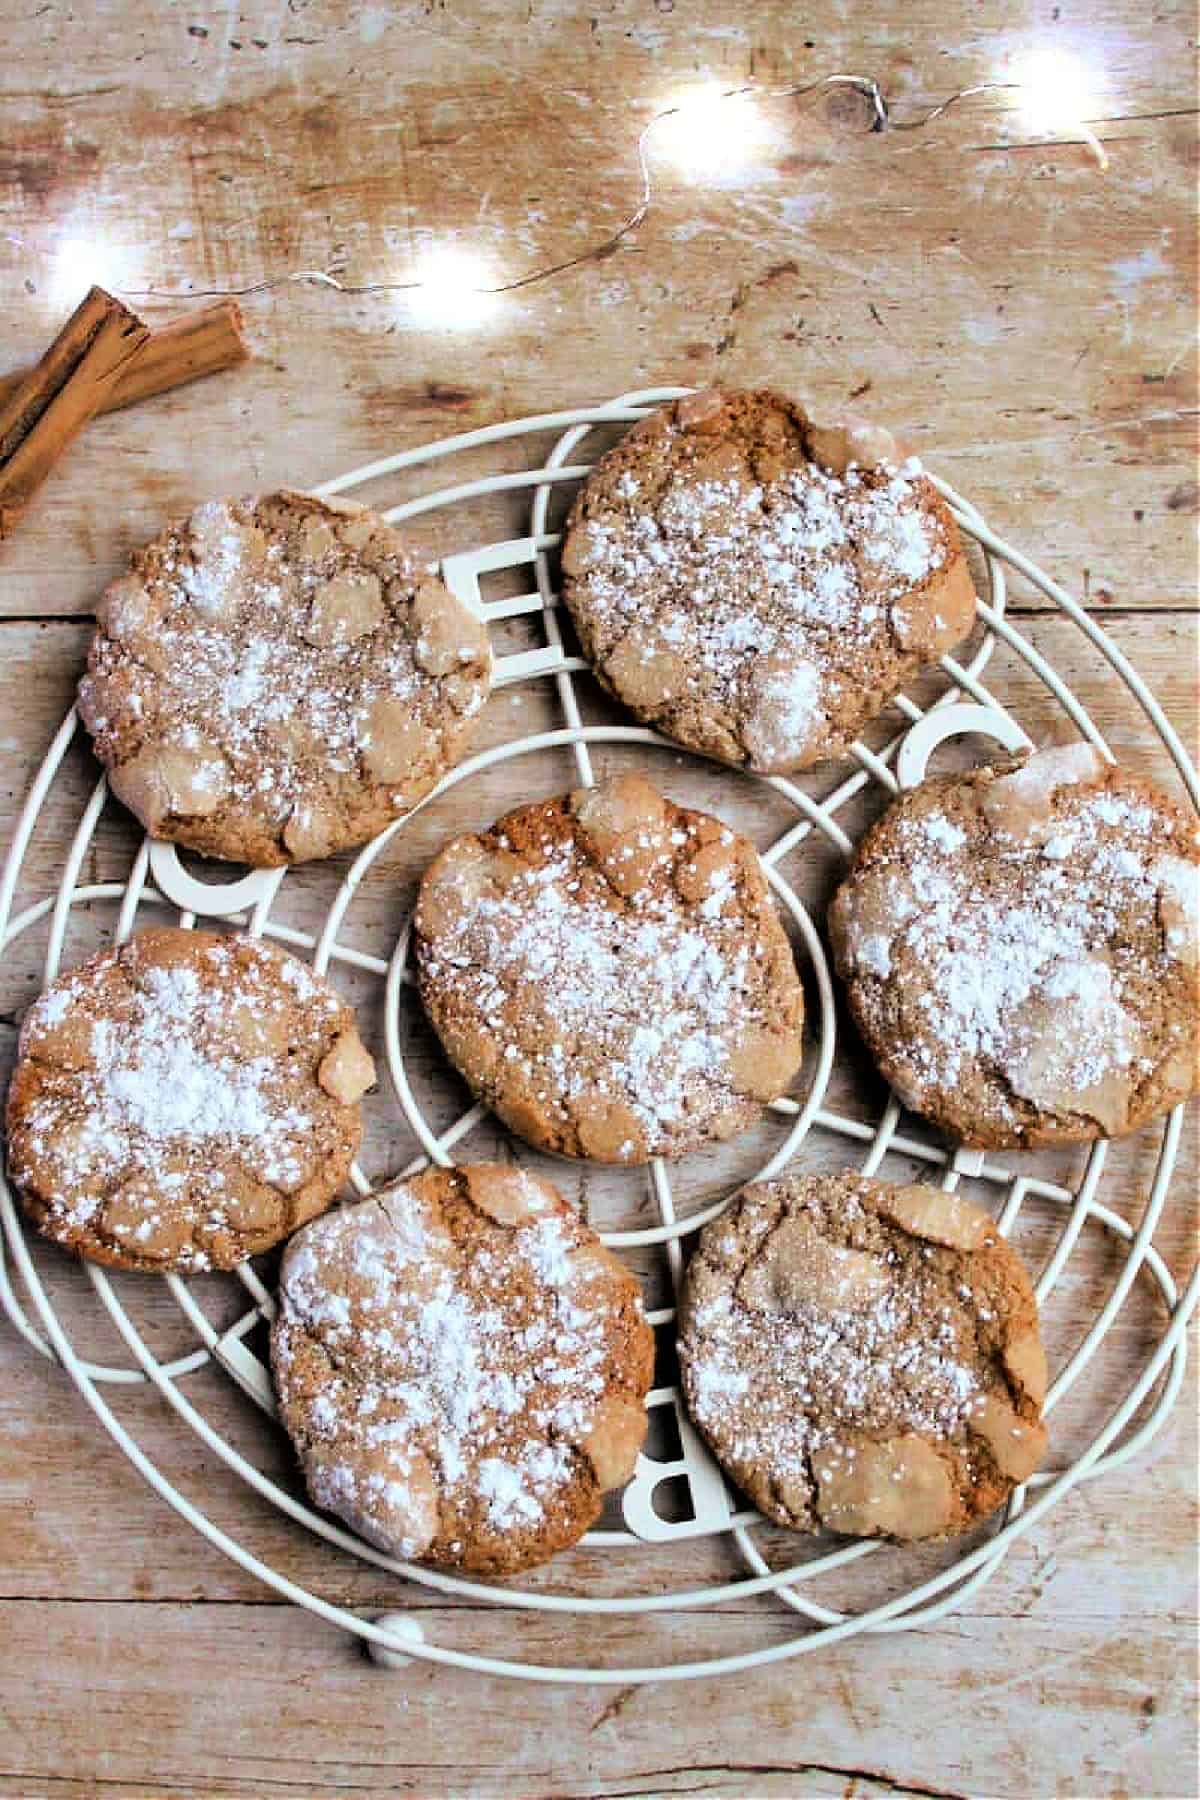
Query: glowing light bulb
[1056, 92]
[709, 133]
[453, 292]
[84, 262]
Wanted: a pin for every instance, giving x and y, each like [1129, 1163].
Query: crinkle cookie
[608, 971]
[758, 586]
[276, 679]
[1020, 950]
[864, 1357]
[184, 1101]
[462, 1367]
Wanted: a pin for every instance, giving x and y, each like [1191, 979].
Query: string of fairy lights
[709, 133]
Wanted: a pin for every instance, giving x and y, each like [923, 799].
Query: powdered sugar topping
[155, 1081]
[480, 1371]
[724, 577]
[178, 1087]
[594, 1001]
[1019, 950]
[772, 1389]
[259, 638]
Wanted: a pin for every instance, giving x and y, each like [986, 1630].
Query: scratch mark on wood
[889, 1783]
[615, 1707]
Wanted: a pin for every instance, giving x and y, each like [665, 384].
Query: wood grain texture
[1028, 324]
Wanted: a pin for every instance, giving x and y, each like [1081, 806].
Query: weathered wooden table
[1028, 320]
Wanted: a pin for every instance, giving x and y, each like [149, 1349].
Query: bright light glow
[713, 134]
[451, 295]
[80, 263]
[1056, 93]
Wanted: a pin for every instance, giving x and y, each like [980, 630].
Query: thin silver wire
[879, 118]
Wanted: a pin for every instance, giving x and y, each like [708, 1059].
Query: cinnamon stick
[198, 344]
[47, 409]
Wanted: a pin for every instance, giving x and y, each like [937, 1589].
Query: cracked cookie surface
[462, 1367]
[758, 586]
[863, 1357]
[276, 679]
[608, 971]
[184, 1102]
[1020, 950]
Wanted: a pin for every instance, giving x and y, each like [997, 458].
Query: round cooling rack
[655, 1556]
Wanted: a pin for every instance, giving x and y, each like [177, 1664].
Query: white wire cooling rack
[258, 902]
